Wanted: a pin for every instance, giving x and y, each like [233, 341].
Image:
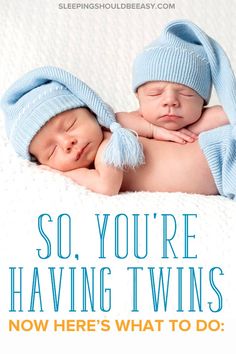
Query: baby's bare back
[171, 167]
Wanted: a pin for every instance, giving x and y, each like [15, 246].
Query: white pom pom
[123, 149]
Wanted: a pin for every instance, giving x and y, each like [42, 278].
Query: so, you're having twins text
[121, 237]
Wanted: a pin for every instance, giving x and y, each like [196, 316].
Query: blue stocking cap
[185, 54]
[47, 91]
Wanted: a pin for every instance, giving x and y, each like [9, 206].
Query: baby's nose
[68, 142]
[170, 98]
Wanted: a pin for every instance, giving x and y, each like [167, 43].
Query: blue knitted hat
[186, 55]
[45, 92]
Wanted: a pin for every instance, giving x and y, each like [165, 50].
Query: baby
[172, 79]
[178, 114]
[55, 118]
[73, 142]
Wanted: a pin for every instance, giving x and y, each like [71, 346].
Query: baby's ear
[139, 106]
[137, 96]
[139, 110]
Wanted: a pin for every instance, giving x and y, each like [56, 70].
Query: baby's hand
[181, 136]
[189, 133]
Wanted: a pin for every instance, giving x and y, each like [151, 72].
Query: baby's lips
[170, 117]
[80, 152]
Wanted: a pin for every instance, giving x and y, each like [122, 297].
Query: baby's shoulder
[213, 110]
[106, 137]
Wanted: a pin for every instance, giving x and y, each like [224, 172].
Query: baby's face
[169, 105]
[68, 141]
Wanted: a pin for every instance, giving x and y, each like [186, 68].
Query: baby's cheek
[151, 116]
[59, 165]
[144, 111]
[152, 111]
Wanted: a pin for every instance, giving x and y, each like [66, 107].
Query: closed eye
[187, 94]
[70, 126]
[52, 152]
[154, 93]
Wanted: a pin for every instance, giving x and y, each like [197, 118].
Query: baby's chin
[171, 125]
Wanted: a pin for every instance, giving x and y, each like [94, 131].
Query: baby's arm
[136, 122]
[212, 117]
[102, 179]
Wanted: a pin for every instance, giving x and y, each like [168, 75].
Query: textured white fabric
[99, 46]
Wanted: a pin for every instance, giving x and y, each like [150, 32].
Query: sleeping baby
[172, 79]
